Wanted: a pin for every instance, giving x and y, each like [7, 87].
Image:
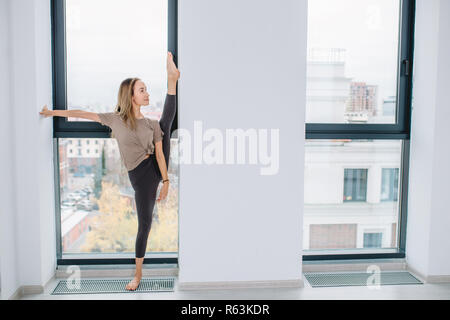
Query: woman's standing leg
[145, 197]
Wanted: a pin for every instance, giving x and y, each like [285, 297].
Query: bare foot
[172, 72]
[133, 284]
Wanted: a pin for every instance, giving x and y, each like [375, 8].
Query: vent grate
[87, 286]
[359, 279]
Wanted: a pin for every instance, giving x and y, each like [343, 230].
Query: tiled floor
[439, 291]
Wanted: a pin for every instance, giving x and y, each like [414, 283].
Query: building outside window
[333, 221]
[373, 240]
[358, 105]
[389, 184]
[355, 184]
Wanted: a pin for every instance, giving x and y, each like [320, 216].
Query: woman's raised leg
[170, 106]
[167, 117]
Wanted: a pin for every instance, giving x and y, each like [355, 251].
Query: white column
[9, 278]
[428, 239]
[30, 167]
[243, 66]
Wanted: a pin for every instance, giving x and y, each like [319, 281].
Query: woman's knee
[144, 227]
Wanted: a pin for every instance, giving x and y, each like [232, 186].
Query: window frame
[395, 176]
[396, 131]
[89, 129]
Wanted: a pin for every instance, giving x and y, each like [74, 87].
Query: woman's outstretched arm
[69, 113]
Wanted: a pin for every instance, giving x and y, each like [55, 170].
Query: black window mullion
[356, 135]
[172, 44]
[351, 128]
[58, 59]
[405, 63]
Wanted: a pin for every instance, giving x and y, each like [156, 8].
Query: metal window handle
[406, 62]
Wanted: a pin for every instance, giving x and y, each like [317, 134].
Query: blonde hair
[124, 107]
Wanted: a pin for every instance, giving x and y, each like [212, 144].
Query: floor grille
[87, 286]
[360, 279]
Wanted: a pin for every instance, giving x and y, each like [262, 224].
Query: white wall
[28, 246]
[44, 145]
[8, 259]
[243, 65]
[440, 223]
[428, 239]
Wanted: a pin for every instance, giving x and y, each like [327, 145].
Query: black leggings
[146, 177]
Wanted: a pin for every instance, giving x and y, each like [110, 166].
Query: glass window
[98, 210]
[372, 240]
[332, 236]
[352, 61]
[355, 184]
[97, 52]
[127, 40]
[389, 184]
[331, 221]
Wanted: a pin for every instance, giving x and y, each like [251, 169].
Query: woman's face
[140, 94]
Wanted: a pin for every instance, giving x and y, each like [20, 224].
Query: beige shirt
[133, 145]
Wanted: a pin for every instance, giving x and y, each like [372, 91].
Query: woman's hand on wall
[45, 112]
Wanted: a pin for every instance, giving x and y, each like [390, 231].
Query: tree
[114, 228]
[99, 174]
[164, 232]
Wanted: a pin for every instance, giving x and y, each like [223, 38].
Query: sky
[368, 30]
[109, 41]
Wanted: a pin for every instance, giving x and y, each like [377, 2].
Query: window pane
[98, 210]
[355, 184]
[373, 240]
[352, 61]
[389, 184]
[353, 168]
[332, 236]
[104, 47]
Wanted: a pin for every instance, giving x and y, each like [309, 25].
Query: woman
[144, 146]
